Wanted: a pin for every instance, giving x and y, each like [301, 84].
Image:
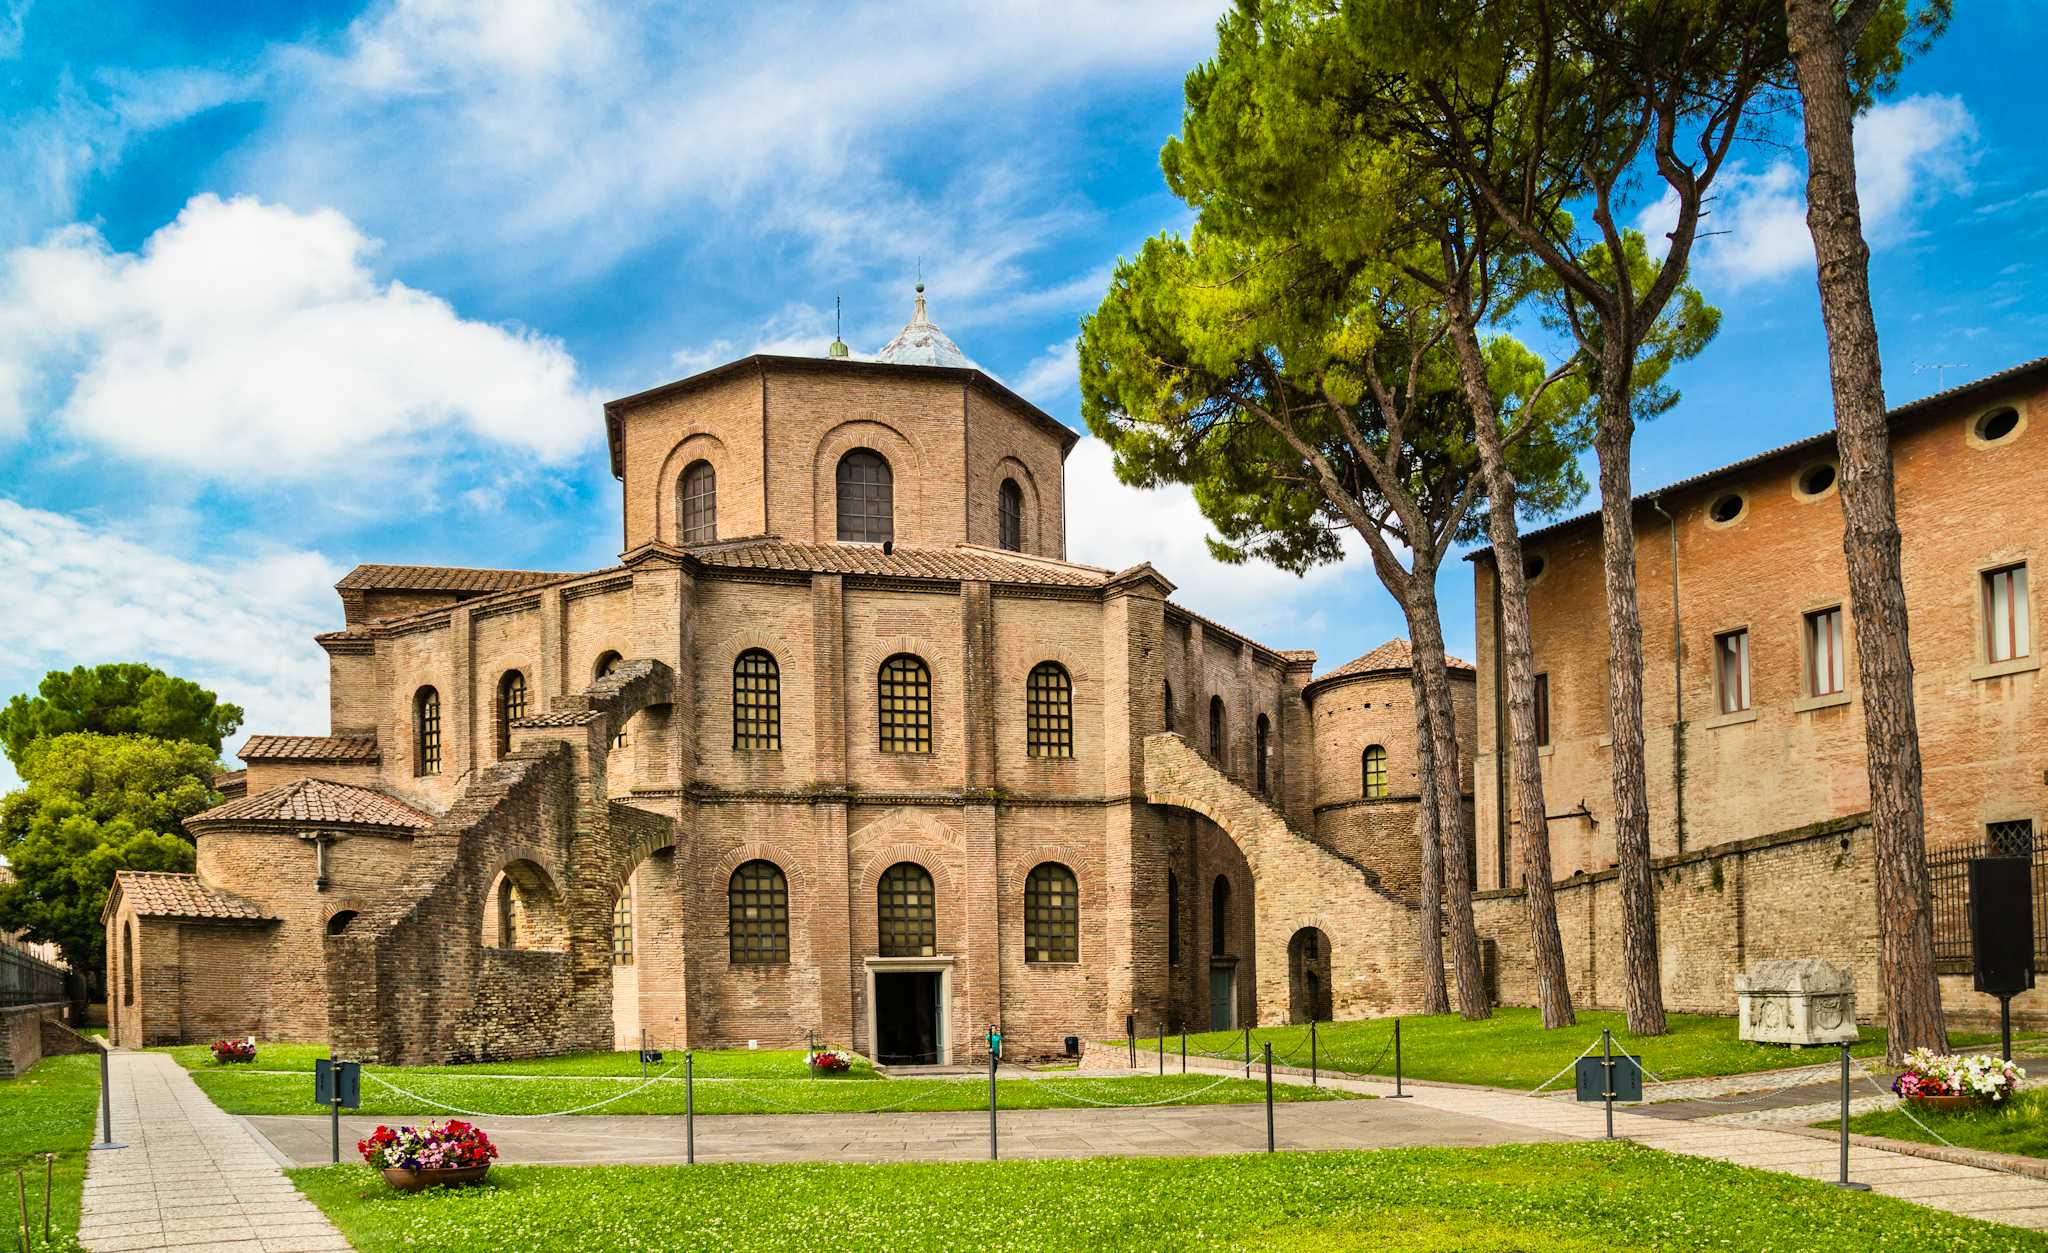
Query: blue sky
[288, 287]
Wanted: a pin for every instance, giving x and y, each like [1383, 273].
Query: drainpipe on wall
[1677, 685]
[1500, 752]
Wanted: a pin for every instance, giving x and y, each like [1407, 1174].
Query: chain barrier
[1724, 1101]
[919, 1095]
[381, 1082]
[1566, 1068]
[1171, 1100]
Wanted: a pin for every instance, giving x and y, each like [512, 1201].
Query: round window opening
[1816, 479]
[1726, 509]
[1998, 424]
[1533, 567]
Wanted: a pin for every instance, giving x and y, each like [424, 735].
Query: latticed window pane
[427, 730]
[904, 689]
[700, 503]
[1049, 712]
[622, 927]
[1375, 772]
[1010, 515]
[907, 912]
[867, 501]
[758, 914]
[1542, 709]
[756, 701]
[1219, 916]
[2009, 839]
[1052, 915]
[511, 707]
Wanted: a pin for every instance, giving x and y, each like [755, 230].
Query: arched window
[622, 925]
[1052, 915]
[907, 912]
[1375, 772]
[756, 701]
[757, 911]
[904, 705]
[1265, 731]
[1216, 727]
[1219, 916]
[128, 961]
[1172, 919]
[426, 731]
[508, 933]
[339, 923]
[511, 707]
[608, 665]
[1049, 711]
[1169, 706]
[867, 497]
[699, 507]
[1010, 516]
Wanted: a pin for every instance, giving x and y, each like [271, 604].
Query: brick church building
[842, 744]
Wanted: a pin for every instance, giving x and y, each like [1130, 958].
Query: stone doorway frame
[942, 966]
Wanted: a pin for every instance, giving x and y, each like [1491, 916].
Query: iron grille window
[2007, 631]
[2009, 839]
[622, 926]
[1265, 731]
[757, 907]
[700, 503]
[904, 691]
[907, 912]
[1542, 710]
[1375, 772]
[756, 701]
[1010, 516]
[867, 498]
[1052, 915]
[427, 731]
[511, 707]
[1049, 712]
[1948, 881]
[1731, 670]
[1824, 670]
[1219, 916]
[1172, 919]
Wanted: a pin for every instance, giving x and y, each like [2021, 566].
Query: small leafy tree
[116, 698]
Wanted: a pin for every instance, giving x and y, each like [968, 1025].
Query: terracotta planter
[1947, 1102]
[418, 1180]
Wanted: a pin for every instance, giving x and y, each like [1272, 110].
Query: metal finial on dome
[838, 346]
[922, 343]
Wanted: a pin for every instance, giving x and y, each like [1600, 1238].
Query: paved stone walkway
[191, 1178]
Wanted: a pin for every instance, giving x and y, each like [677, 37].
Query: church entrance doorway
[907, 1018]
[1223, 994]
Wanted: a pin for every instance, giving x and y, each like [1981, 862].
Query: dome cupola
[922, 343]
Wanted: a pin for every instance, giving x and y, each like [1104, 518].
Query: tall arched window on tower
[607, 666]
[699, 506]
[757, 909]
[426, 731]
[128, 961]
[1048, 712]
[1375, 772]
[1010, 516]
[1052, 915]
[867, 498]
[511, 707]
[1172, 919]
[756, 701]
[903, 691]
[1265, 733]
[906, 912]
[1216, 727]
[1219, 916]
[1169, 706]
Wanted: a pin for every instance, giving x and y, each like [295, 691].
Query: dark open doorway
[907, 1018]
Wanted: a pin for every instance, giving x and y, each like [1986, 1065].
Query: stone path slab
[191, 1177]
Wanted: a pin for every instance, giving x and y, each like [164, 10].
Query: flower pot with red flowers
[829, 1062]
[1934, 1080]
[232, 1051]
[434, 1156]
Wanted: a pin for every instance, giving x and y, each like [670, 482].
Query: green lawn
[49, 1110]
[241, 1092]
[1512, 1050]
[1558, 1198]
[2020, 1126]
[710, 1063]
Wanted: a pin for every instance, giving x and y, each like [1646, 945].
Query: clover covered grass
[48, 1110]
[2020, 1125]
[1562, 1198]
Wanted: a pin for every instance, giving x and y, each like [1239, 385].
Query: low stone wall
[29, 1033]
[1808, 892]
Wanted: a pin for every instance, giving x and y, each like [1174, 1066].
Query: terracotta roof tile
[342, 748]
[381, 578]
[318, 802]
[572, 718]
[966, 561]
[158, 895]
[1396, 654]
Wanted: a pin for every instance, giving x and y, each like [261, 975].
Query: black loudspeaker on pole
[2002, 931]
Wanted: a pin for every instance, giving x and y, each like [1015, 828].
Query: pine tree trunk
[1426, 634]
[1436, 998]
[1511, 585]
[1643, 994]
[1870, 536]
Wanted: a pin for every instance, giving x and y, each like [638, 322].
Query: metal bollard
[1247, 1052]
[107, 1101]
[1399, 1095]
[1269, 1096]
[1607, 1076]
[1183, 1049]
[689, 1108]
[992, 1105]
[1312, 1080]
[1162, 1048]
[1131, 1031]
[1843, 1182]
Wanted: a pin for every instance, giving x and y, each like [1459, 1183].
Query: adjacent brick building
[842, 744]
[1755, 745]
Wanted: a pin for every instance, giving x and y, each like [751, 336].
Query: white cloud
[247, 340]
[1114, 525]
[1909, 153]
[13, 21]
[242, 624]
[1052, 376]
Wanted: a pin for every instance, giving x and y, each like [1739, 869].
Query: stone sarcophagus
[1801, 1000]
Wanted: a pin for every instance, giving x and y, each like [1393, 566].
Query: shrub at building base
[434, 1156]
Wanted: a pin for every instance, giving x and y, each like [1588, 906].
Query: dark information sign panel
[1628, 1079]
[344, 1078]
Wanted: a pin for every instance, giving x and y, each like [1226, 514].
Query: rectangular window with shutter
[1825, 673]
[1731, 671]
[2007, 631]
